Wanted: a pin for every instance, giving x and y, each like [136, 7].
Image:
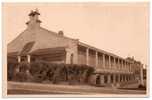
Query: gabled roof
[42, 38]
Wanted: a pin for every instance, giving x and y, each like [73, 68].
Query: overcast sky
[122, 29]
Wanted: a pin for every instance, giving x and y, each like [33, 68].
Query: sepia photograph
[85, 49]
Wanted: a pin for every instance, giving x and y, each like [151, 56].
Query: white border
[73, 1]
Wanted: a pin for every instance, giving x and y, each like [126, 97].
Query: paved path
[37, 88]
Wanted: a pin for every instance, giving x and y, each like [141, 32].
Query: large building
[36, 43]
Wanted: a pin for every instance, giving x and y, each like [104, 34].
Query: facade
[36, 43]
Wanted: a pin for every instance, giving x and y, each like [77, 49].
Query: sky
[119, 28]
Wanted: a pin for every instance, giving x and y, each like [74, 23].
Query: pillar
[109, 61]
[28, 58]
[67, 58]
[19, 59]
[118, 77]
[87, 56]
[130, 68]
[125, 66]
[96, 59]
[114, 78]
[118, 64]
[17, 68]
[103, 63]
[125, 78]
[114, 63]
[121, 77]
[121, 64]
[102, 79]
[109, 79]
[131, 77]
[141, 75]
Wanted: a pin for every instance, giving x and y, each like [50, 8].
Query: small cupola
[34, 19]
[60, 33]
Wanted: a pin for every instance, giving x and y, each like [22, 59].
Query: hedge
[41, 71]
[11, 66]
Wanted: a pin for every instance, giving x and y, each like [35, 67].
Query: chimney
[60, 33]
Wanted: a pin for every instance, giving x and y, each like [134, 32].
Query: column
[125, 66]
[103, 63]
[28, 58]
[131, 77]
[109, 79]
[130, 68]
[126, 78]
[19, 59]
[121, 77]
[67, 57]
[102, 79]
[17, 69]
[141, 75]
[121, 64]
[87, 56]
[114, 78]
[118, 64]
[96, 59]
[109, 62]
[118, 77]
[114, 63]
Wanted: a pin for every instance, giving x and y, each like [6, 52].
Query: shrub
[142, 87]
[23, 67]
[11, 66]
[42, 71]
[39, 71]
[21, 77]
[20, 74]
[72, 73]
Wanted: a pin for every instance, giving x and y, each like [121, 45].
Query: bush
[23, 67]
[41, 71]
[21, 77]
[72, 73]
[11, 66]
[20, 74]
[142, 87]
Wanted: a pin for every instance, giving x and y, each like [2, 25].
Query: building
[36, 43]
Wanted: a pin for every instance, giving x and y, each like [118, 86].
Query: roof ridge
[55, 33]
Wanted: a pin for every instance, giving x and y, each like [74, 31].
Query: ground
[37, 88]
